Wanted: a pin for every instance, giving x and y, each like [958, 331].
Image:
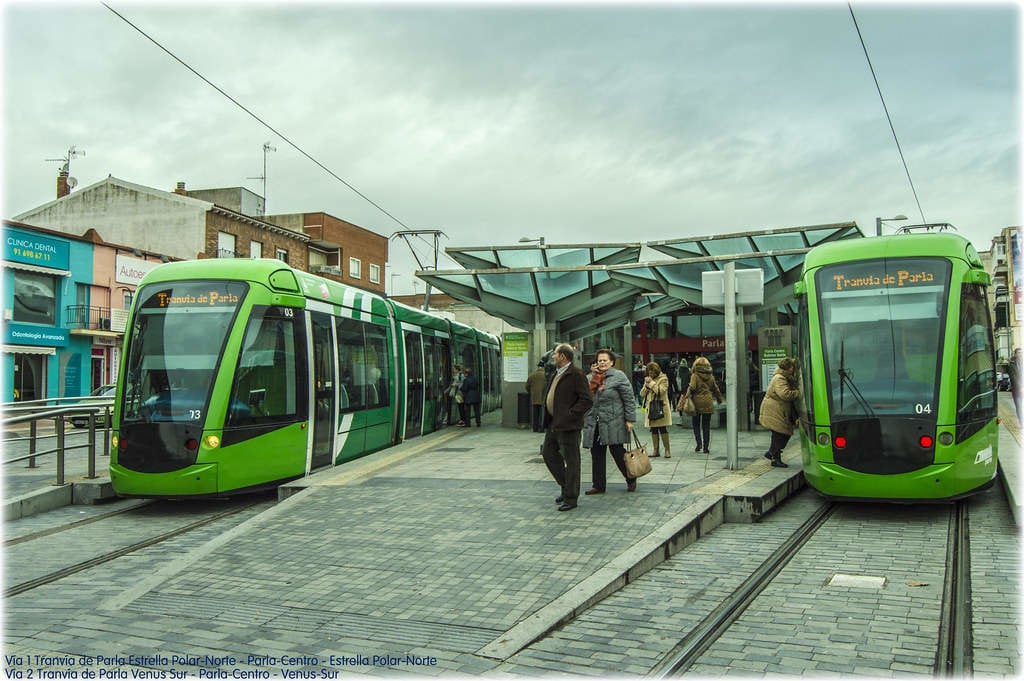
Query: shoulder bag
[637, 462]
[655, 408]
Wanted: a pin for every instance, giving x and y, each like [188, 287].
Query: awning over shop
[584, 289]
[36, 268]
[30, 349]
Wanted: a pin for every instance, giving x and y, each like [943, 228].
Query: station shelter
[642, 299]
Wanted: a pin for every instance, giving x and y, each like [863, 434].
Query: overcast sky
[581, 122]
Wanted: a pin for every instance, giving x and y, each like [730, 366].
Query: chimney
[180, 189]
[63, 188]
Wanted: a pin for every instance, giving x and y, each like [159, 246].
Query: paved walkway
[445, 554]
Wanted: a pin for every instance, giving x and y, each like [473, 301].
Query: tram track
[953, 655]
[686, 652]
[108, 556]
[955, 650]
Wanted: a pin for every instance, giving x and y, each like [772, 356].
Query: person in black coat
[470, 397]
[566, 402]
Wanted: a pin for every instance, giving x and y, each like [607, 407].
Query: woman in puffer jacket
[656, 388]
[777, 409]
[609, 423]
[704, 392]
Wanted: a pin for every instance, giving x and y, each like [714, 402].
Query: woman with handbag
[777, 409]
[703, 391]
[654, 397]
[609, 422]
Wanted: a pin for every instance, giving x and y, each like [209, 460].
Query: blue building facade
[45, 275]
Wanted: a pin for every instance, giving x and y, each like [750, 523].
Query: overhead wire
[887, 116]
[260, 120]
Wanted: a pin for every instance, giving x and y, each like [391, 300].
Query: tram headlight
[926, 441]
[212, 441]
[945, 438]
[822, 438]
[840, 442]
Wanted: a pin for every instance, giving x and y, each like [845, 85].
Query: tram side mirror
[974, 276]
[799, 289]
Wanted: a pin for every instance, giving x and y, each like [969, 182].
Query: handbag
[637, 462]
[655, 409]
[688, 408]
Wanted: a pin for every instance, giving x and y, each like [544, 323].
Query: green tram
[238, 375]
[897, 369]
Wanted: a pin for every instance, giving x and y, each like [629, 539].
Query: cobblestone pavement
[414, 559]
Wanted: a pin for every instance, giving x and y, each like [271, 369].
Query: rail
[60, 411]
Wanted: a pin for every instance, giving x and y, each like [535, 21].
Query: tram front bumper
[197, 480]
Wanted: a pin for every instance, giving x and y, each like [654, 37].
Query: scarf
[597, 381]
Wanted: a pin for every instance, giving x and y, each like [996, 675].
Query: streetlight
[526, 240]
[879, 221]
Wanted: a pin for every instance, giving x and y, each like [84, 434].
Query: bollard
[58, 423]
[106, 431]
[92, 447]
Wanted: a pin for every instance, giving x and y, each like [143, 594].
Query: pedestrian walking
[682, 385]
[609, 423]
[704, 392]
[452, 397]
[1014, 369]
[470, 391]
[535, 386]
[654, 397]
[778, 411]
[566, 403]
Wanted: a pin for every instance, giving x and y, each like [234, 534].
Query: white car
[81, 421]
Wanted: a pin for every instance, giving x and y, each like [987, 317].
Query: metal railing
[86, 317]
[60, 411]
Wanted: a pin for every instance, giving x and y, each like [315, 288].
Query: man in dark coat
[470, 390]
[567, 401]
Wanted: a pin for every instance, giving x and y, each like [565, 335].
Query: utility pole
[266, 147]
[436, 233]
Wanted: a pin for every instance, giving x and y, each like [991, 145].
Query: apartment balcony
[88, 321]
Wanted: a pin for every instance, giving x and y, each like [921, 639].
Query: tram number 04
[923, 408]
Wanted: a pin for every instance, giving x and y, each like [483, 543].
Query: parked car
[82, 421]
[1002, 380]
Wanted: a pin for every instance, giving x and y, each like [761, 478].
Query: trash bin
[523, 408]
[758, 396]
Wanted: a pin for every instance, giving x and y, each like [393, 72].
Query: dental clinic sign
[33, 249]
[132, 270]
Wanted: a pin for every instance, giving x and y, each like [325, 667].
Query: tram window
[362, 365]
[267, 386]
[976, 391]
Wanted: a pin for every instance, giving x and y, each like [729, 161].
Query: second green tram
[238, 375]
[897, 369]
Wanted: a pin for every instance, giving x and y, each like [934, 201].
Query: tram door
[414, 384]
[323, 389]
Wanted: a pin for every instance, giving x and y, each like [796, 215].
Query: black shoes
[594, 490]
[779, 463]
[559, 499]
[566, 506]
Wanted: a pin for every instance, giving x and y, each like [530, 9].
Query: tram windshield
[174, 346]
[882, 335]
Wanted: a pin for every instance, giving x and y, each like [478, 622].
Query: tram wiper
[846, 379]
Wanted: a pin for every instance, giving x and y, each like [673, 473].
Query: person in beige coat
[656, 388]
[777, 409]
[704, 392]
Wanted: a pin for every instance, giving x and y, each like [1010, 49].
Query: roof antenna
[65, 183]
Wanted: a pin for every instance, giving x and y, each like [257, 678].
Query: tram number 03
[923, 408]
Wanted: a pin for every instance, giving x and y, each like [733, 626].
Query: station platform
[447, 550]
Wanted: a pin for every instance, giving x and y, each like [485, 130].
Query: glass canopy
[588, 288]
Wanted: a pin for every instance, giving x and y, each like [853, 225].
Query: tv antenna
[66, 168]
[266, 147]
